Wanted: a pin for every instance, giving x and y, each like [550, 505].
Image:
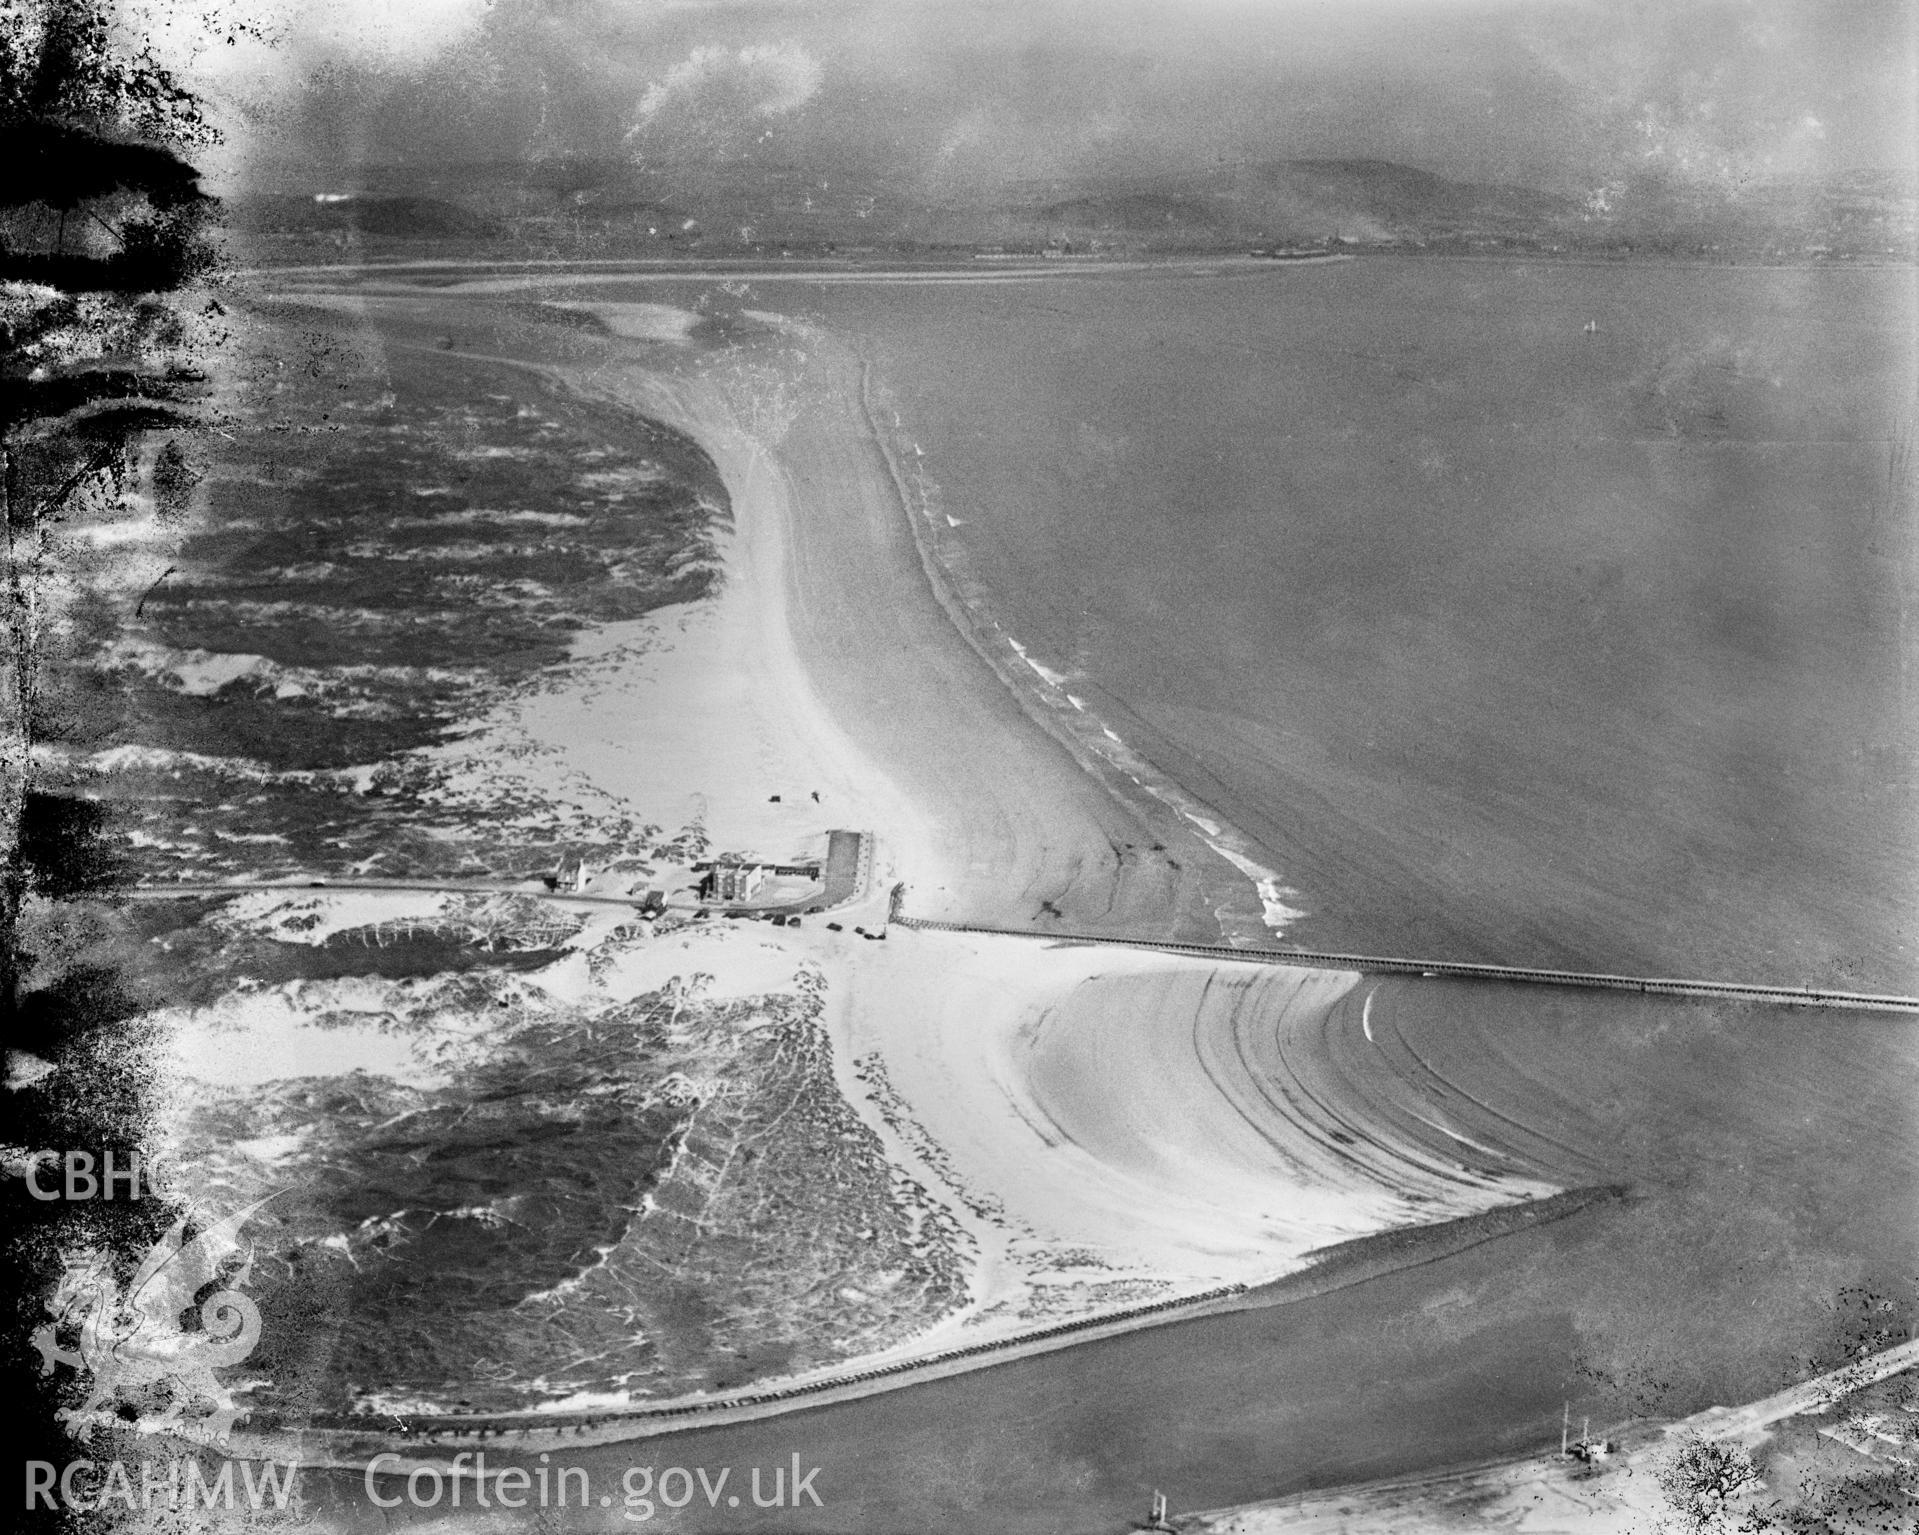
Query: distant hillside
[613, 207]
[1378, 203]
[1370, 202]
[1393, 197]
[400, 218]
[1133, 213]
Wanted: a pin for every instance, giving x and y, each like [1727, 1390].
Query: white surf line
[1433, 1124]
[1108, 745]
[1213, 830]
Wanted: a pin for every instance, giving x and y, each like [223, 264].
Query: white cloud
[715, 92]
[191, 36]
[402, 31]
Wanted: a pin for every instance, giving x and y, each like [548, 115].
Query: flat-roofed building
[733, 882]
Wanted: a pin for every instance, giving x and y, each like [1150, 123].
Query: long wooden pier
[1381, 964]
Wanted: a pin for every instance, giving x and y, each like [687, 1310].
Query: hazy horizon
[960, 101]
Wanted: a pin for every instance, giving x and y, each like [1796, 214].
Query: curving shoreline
[787, 658]
[1340, 1267]
[802, 489]
[1064, 716]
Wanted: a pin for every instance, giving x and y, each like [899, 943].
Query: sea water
[1496, 637]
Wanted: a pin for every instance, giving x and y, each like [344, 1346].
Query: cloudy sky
[972, 94]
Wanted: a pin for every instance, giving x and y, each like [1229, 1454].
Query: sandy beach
[1108, 1127]
[1103, 1123]
[854, 646]
[1103, 1129]
[1131, 1117]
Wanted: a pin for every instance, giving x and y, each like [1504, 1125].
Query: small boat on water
[1592, 327]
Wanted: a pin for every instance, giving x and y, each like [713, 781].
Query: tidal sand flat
[1128, 1124]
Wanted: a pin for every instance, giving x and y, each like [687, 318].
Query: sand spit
[1101, 1122]
[1108, 1128]
[1065, 1099]
[1002, 818]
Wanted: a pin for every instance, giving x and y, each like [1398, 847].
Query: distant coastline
[397, 257]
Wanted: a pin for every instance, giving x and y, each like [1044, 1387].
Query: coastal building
[733, 882]
[569, 874]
